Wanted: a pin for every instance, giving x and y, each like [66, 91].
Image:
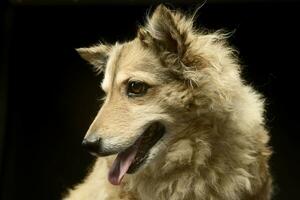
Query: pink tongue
[121, 165]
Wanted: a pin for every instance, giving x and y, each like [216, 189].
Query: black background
[49, 95]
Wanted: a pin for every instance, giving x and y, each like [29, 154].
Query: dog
[178, 122]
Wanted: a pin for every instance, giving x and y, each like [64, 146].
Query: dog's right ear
[96, 55]
[167, 31]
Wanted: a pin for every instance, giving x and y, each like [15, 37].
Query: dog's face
[134, 81]
[149, 85]
[136, 115]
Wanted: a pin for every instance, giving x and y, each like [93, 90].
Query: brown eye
[136, 88]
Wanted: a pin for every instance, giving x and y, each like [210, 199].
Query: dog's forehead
[127, 60]
[111, 67]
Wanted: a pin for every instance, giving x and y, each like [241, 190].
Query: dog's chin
[132, 158]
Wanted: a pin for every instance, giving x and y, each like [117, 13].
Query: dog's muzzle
[129, 157]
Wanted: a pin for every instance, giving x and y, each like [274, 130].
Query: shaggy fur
[216, 142]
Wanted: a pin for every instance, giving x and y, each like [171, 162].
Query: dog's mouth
[132, 158]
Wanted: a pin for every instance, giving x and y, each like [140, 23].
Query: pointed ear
[166, 30]
[96, 55]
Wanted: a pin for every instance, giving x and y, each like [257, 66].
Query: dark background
[48, 95]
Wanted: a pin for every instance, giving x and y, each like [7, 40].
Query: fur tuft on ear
[170, 34]
[96, 55]
[167, 30]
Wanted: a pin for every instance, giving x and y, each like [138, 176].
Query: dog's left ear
[166, 30]
[96, 55]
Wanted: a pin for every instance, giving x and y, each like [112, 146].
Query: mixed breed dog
[178, 121]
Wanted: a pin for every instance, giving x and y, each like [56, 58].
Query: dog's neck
[209, 161]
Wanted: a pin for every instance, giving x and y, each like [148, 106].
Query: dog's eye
[136, 88]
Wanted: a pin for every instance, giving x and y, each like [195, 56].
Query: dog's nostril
[91, 144]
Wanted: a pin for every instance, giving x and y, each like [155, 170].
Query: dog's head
[154, 85]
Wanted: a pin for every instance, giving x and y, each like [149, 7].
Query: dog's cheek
[177, 97]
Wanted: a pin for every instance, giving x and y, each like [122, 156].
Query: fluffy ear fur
[96, 55]
[166, 30]
[170, 34]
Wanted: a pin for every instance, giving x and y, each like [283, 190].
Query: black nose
[92, 144]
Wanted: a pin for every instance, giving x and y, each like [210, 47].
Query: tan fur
[216, 142]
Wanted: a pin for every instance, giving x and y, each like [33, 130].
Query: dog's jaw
[122, 163]
[130, 160]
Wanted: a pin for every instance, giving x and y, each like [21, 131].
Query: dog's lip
[133, 157]
[145, 142]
